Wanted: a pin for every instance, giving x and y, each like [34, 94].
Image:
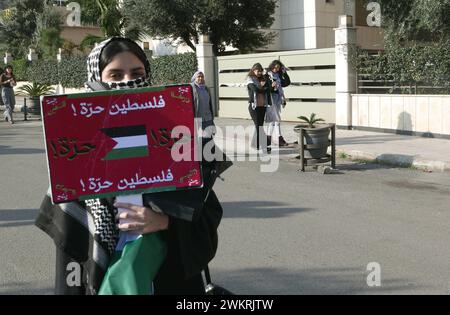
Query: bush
[20, 69]
[410, 67]
[72, 70]
[43, 71]
[174, 69]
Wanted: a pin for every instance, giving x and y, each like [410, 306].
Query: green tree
[417, 51]
[112, 23]
[50, 41]
[110, 17]
[239, 23]
[416, 20]
[18, 30]
[47, 37]
[90, 12]
[4, 4]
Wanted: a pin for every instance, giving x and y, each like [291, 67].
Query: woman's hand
[141, 220]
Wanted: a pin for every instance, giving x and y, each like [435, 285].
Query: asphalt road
[282, 233]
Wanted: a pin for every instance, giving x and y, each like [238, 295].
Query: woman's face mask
[125, 71]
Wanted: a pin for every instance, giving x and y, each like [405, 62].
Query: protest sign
[110, 143]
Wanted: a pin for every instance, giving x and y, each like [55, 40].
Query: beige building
[72, 30]
[305, 24]
[309, 24]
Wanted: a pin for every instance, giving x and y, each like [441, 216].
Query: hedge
[71, 72]
[408, 68]
[20, 69]
[173, 69]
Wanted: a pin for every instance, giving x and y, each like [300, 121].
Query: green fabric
[132, 270]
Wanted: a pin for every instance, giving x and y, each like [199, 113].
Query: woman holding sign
[100, 249]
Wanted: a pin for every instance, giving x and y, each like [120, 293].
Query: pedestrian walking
[278, 79]
[174, 251]
[258, 98]
[8, 82]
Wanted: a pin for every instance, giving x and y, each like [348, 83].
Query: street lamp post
[60, 89]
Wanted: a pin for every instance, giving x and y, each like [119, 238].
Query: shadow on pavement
[259, 209]
[317, 281]
[361, 167]
[24, 288]
[7, 150]
[369, 140]
[17, 217]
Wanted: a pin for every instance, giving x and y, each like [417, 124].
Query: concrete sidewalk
[397, 150]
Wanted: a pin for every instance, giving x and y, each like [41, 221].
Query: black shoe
[282, 142]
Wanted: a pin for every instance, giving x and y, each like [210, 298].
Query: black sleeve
[268, 86]
[285, 80]
[196, 241]
[253, 88]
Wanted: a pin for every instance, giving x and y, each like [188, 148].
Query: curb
[397, 160]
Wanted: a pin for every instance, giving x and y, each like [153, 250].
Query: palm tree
[111, 18]
[112, 23]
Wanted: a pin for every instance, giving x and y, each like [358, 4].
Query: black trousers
[258, 114]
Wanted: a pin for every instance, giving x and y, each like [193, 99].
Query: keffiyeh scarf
[104, 220]
[94, 75]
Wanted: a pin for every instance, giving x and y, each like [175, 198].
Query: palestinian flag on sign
[132, 142]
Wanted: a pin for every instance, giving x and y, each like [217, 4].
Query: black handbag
[214, 289]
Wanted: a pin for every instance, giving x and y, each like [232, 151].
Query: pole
[25, 109]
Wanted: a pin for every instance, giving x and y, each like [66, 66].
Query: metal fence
[313, 88]
[21, 110]
[385, 84]
[376, 83]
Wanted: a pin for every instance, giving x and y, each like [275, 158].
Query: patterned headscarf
[104, 216]
[93, 68]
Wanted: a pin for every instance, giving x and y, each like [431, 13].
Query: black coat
[194, 216]
[253, 89]
[191, 244]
